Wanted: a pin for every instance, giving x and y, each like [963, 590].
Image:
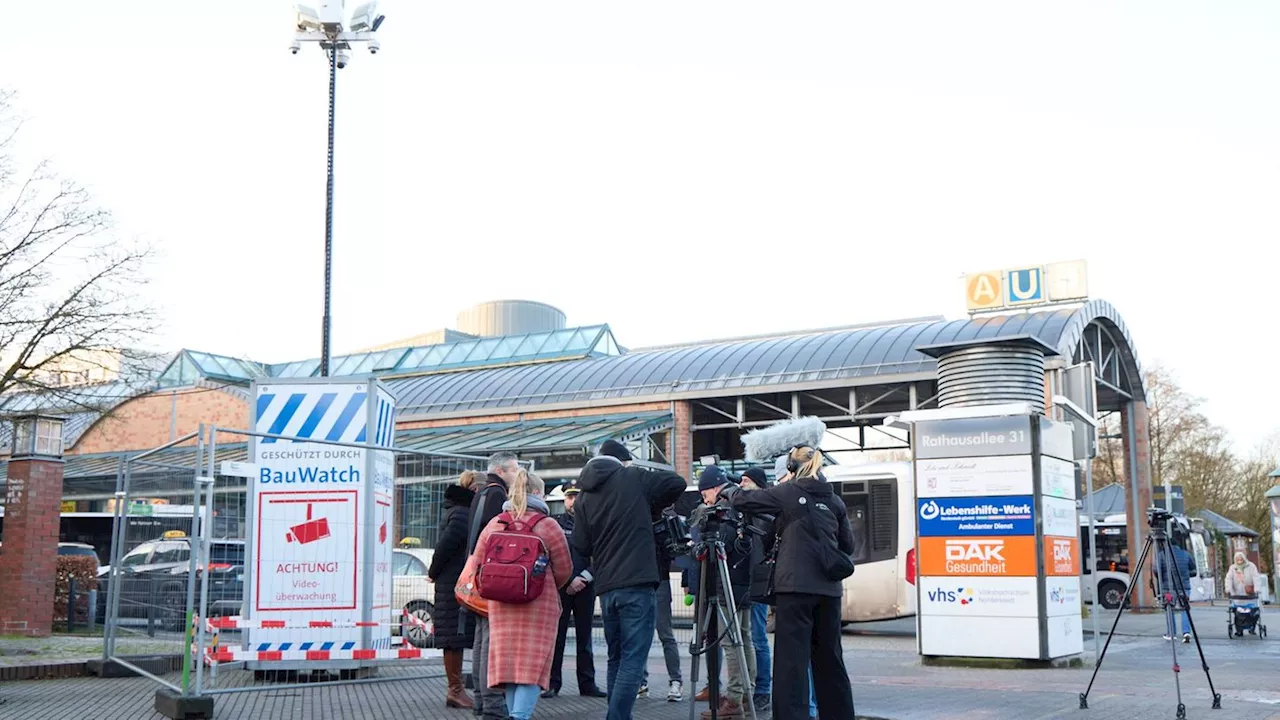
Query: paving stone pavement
[1135, 684]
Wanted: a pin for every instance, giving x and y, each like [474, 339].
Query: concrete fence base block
[1070, 661]
[176, 707]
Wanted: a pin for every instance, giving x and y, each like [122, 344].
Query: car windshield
[74, 550]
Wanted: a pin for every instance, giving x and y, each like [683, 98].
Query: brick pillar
[28, 564]
[682, 438]
[1137, 466]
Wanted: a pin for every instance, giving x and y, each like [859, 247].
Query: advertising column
[979, 587]
[1064, 630]
[320, 522]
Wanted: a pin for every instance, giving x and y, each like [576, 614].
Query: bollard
[91, 618]
[71, 605]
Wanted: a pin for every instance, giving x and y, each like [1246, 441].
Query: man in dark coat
[578, 600]
[614, 529]
[503, 469]
[452, 633]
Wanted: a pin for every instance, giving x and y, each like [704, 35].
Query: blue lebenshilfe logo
[977, 516]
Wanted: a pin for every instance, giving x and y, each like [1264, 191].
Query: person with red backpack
[523, 560]
[488, 502]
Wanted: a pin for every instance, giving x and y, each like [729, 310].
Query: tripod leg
[1133, 584]
[735, 637]
[1166, 565]
[1185, 599]
[700, 620]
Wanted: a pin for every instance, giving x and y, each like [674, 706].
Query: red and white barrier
[234, 653]
[235, 622]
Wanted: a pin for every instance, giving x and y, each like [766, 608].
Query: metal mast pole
[328, 215]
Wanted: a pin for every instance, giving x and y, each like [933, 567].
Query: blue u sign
[1024, 286]
[977, 516]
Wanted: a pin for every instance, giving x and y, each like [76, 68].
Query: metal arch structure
[1099, 335]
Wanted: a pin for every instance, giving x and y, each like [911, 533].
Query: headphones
[793, 465]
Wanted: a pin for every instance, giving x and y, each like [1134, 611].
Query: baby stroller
[1245, 615]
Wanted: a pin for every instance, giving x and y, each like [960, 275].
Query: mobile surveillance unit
[324, 24]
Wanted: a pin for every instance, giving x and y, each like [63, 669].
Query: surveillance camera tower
[328, 26]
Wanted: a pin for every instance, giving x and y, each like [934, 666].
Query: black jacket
[488, 504]
[761, 571]
[614, 521]
[799, 569]
[581, 563]
[446, 565]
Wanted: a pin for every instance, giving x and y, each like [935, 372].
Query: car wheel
[416, 635]
[1112, 593]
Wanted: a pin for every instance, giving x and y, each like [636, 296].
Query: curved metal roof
[848, 357]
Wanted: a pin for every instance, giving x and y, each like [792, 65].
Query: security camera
[344, 57]
[374, 47]
[294, 47]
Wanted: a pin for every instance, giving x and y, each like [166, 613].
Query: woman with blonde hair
[523, 636]
[453, 634]
[813, 558]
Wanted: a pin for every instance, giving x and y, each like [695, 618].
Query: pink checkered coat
[523, 637]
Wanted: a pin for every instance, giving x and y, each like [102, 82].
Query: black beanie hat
[758, 476]
[615, 449]
[713, 476]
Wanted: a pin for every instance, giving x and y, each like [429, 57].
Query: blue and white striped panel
[385, 434]
[382, 643]
[332, 413]
[302, 646]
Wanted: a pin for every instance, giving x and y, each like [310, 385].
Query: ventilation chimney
[991, 371]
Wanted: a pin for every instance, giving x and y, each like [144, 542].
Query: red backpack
[515, 564]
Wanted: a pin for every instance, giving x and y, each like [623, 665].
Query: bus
[880, 499]
[1112, 563]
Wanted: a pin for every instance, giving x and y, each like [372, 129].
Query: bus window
[857, 508]
[873, 517]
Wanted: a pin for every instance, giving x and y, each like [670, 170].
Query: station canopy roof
[532, 435]
[851, 356]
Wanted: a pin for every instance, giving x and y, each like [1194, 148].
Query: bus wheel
[1112, 593]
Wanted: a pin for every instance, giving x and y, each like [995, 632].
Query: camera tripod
[1172, 594]
[708, 618]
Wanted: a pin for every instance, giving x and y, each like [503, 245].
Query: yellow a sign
[983, 291]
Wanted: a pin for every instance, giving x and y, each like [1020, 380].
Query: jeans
[1186, 623]
[666, 635]
[813, 697]
[521, 699]
[491, 703]
[808, 643]
[629, 618]
[760, 640]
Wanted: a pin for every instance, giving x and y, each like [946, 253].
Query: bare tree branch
[69, 287]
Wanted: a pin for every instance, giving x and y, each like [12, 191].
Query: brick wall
[681, 438]
[146, 422]
[28, 565]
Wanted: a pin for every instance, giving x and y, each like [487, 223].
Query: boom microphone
[765, 443]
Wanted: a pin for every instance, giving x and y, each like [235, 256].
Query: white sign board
[1060, 518]
[974, 476]
[1058, 478]
[321, 528]
[1062, 595]
[1004, 637]
[232, 468]
[1066, 635]
[979, 596]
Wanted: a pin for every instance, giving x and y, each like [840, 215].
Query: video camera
[1158, 518]
[671, 535]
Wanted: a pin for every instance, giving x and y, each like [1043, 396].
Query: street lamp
[324, 25]
[36, 436]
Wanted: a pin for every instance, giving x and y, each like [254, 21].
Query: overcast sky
[682, 170]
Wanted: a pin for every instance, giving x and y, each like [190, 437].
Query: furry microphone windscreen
[767, 442]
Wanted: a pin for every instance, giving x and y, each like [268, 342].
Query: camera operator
[814, 557]
[743, 555]
[614, 529]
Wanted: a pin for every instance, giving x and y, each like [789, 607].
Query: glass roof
[570, 343]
